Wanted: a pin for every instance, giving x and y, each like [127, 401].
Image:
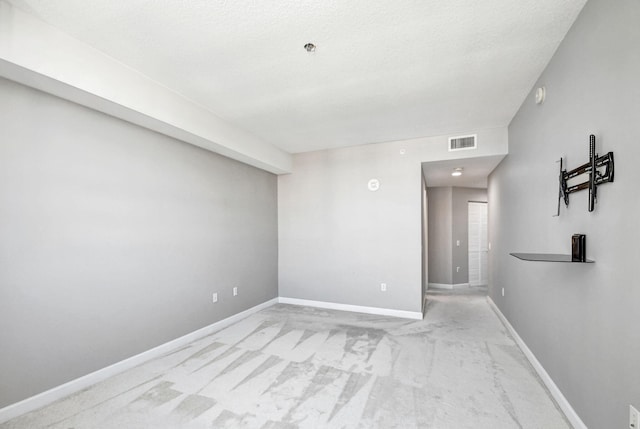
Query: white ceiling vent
[463, 142]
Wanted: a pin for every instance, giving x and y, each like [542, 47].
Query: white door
[478, 252]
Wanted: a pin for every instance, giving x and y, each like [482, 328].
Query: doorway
[477, 248]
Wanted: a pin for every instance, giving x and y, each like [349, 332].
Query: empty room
[302, 214]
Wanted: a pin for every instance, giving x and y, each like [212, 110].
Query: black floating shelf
[548, 257]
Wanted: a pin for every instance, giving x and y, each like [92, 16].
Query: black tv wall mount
[600, 170]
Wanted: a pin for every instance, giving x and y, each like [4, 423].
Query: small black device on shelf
[579, 248]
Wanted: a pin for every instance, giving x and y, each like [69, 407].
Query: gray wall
[460, 198]
[582, 321]
[338, 241]
[113, 239]
[440, 232]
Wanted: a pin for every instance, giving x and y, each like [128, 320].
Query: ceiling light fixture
[310, 47]
[457, 172]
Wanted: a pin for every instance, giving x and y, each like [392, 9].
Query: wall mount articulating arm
[596, 176]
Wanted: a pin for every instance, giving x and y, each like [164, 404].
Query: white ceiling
[382, 71]
[474, 175]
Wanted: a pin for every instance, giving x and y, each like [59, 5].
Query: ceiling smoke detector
[310, 47]
[457, 172]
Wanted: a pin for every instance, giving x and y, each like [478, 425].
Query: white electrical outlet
[457, 269]
[235, 291]
[502, 291]
[458, 243]
[634, 417]
[383, 287]
[215, 297]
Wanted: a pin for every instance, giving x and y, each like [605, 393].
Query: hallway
[289, 366]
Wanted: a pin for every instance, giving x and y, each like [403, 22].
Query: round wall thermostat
[373, 185]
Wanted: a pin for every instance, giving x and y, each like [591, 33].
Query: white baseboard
[439, 286]
[461, 286]
[355, 308]
[562, 402]
[45, 398]
[448, 286]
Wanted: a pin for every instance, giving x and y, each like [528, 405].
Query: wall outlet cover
[215, 297]
[383, 287]
[235, 291]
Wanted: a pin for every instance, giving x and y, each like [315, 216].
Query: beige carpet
[300, 367]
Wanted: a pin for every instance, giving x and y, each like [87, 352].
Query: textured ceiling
[382, 70]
